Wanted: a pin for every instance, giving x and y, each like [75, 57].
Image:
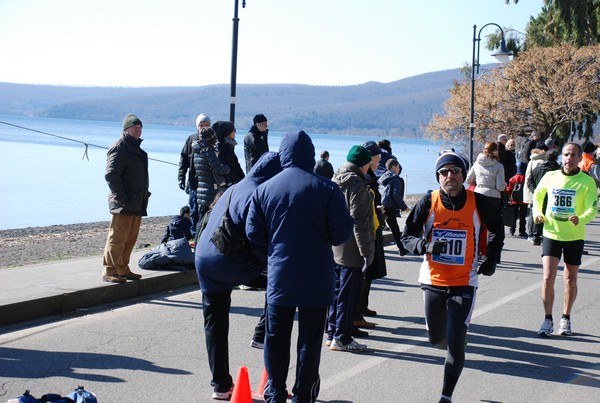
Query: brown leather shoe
[364, 324]
[131, 276]
[113, 278]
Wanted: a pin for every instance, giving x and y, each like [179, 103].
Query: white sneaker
[547, 328]
[564, 327]
[223, 395]
[353, 346]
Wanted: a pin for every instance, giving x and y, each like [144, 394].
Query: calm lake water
[49, 179]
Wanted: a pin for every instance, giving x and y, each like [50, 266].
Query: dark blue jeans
[215, 307]
[193, 203]
[280, 320]
[347, 294]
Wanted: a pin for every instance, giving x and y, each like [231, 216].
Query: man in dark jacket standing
[293, 221]
[323, 167]
[256, 142]
[186, 166]
[127, 178]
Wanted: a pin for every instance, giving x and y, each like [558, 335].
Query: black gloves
[435, 247]
[487, 267]
[182, 185]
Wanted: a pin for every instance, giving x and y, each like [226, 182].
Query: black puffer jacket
[127, 177]
[209, 171]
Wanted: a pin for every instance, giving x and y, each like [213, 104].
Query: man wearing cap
[353, 257]
[256, 141]
[378, 268]
[186, 165]
[127, 178]
[444, 226]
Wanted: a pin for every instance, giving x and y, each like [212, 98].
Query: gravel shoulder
[33, 245]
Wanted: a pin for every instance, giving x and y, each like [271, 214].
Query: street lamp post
[234, 47]
[502, 55]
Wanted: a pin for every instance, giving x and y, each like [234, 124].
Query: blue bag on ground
[172, 255]
[80, 395]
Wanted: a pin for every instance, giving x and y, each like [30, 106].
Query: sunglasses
[453, 170]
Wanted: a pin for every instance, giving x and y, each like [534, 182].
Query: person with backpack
[514, 192]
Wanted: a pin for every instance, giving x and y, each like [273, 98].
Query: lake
[48, 176]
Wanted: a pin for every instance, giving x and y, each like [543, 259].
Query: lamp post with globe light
[502, 56]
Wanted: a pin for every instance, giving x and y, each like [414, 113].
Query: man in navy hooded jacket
[294, 219]
[218, 273]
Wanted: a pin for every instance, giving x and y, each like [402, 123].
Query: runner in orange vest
[444, 226]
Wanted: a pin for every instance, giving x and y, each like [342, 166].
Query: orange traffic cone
[241, 390]
[260, 392]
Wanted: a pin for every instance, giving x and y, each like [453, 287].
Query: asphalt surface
[145, 337]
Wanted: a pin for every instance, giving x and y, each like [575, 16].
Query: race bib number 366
[455, 248]
[562, 204]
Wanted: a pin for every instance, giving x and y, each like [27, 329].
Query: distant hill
[399, 108]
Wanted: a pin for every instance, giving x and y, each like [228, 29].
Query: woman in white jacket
[487, 174]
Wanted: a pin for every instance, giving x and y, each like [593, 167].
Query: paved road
[153, 350]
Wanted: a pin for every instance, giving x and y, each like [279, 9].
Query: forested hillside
[398, 108]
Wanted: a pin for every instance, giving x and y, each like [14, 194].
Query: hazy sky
[189, 42]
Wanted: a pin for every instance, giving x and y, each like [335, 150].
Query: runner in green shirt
[571, 203]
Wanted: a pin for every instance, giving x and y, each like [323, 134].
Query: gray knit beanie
[131, 120]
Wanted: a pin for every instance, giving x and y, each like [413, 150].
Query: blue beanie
[451, 158]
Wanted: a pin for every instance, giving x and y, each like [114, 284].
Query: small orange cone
[260, 392]
[241, 390]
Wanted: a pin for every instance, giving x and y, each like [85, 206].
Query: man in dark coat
[506, 157]
[256, 142]
[293, 221]
[530, 144]
[323, 167]
[127, 178]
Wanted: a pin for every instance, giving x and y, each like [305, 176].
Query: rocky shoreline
[33, 245]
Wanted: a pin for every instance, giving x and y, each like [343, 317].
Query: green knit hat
[131, 120]
[359, 156]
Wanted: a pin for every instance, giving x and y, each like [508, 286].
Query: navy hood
[297, 150]
[267, 166]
